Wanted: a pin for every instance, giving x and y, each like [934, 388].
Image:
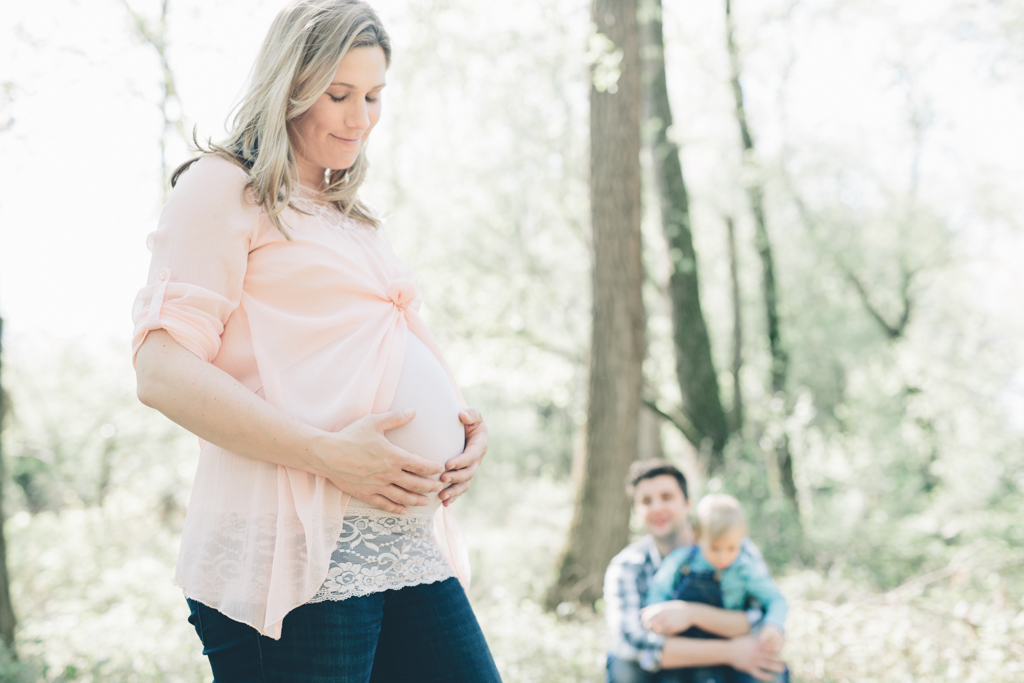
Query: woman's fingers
[449, 495]
[387, 504]
[461, 480]
[414, 464]
[476, 449]
[393, 420]
[400, 496]
[460, 469]
[416, 484]
[460, 475]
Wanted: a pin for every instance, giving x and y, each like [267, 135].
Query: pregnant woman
[279, 326]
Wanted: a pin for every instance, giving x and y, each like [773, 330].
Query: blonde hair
[716, 515]
[299, 57]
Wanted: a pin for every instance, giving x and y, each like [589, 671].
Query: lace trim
[325, 211]
[379, 551]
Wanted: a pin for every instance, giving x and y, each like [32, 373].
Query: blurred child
[719, 571]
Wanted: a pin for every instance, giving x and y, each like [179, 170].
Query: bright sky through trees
[79, 187]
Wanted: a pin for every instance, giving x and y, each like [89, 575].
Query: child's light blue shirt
[746, 577]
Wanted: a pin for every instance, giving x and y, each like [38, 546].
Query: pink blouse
[317, 326]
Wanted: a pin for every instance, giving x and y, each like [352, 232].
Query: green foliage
[14, 670]
[93, 593]
[77, 432]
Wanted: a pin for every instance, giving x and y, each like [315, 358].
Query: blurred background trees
[600, 523]
[874, 430]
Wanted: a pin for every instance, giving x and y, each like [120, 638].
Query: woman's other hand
[373, 469]
[459, 470]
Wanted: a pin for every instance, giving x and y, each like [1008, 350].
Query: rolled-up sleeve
[200, 250]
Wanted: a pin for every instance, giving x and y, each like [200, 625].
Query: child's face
[723, 551]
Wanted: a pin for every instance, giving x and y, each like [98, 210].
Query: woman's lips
[350, 141]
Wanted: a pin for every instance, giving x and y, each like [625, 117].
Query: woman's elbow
[145, 383]
[149, 363]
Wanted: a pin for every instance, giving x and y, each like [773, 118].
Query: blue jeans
[625, 671]
[426, 633]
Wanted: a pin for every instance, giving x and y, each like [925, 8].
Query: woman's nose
[358, 118]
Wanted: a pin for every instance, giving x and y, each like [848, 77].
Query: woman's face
[331, 134]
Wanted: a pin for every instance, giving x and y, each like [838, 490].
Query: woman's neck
[310, 175]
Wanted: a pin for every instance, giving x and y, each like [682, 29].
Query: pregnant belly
[436, 433]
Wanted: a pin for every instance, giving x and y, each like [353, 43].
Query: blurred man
[644, 647]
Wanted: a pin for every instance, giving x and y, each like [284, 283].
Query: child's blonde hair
[717, 514]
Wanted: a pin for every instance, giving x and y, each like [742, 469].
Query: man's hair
[648, 469]
[717, 514]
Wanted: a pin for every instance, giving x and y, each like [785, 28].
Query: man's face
[661, 505]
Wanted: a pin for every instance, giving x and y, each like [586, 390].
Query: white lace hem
[379, 551]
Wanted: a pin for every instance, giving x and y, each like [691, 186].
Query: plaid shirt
[625, 586]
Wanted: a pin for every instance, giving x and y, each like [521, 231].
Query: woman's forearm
[216, 407]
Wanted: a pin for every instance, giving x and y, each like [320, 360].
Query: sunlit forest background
[891, 152]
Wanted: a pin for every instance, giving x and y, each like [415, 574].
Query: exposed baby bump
[436, 433]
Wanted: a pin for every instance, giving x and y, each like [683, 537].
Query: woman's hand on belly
[459, 470]
[373, 469]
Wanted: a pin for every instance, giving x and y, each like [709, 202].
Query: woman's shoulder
[212, 178]
[211, 196]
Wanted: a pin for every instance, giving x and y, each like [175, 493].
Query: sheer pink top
[318, 326]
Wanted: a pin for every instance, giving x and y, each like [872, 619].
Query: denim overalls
[705, 588]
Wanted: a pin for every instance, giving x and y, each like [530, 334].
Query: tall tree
[155, 34]
[755, 196]
[7, 620]
[695, 369]
[600, 525]
[737, 327]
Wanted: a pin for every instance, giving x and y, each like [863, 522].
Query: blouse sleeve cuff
[192, 315]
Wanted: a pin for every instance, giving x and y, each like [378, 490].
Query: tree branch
[679, 420]
[892, 331]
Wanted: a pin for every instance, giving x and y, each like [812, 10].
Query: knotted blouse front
[316, 325]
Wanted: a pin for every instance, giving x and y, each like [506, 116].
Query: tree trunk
[695, 369]
[7, 620]
[755, 196]
[600, 525]
[737, 329]
[649, 445]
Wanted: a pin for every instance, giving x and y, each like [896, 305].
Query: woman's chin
[343, 161]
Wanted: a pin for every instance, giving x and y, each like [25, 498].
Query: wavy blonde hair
[299, 57]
